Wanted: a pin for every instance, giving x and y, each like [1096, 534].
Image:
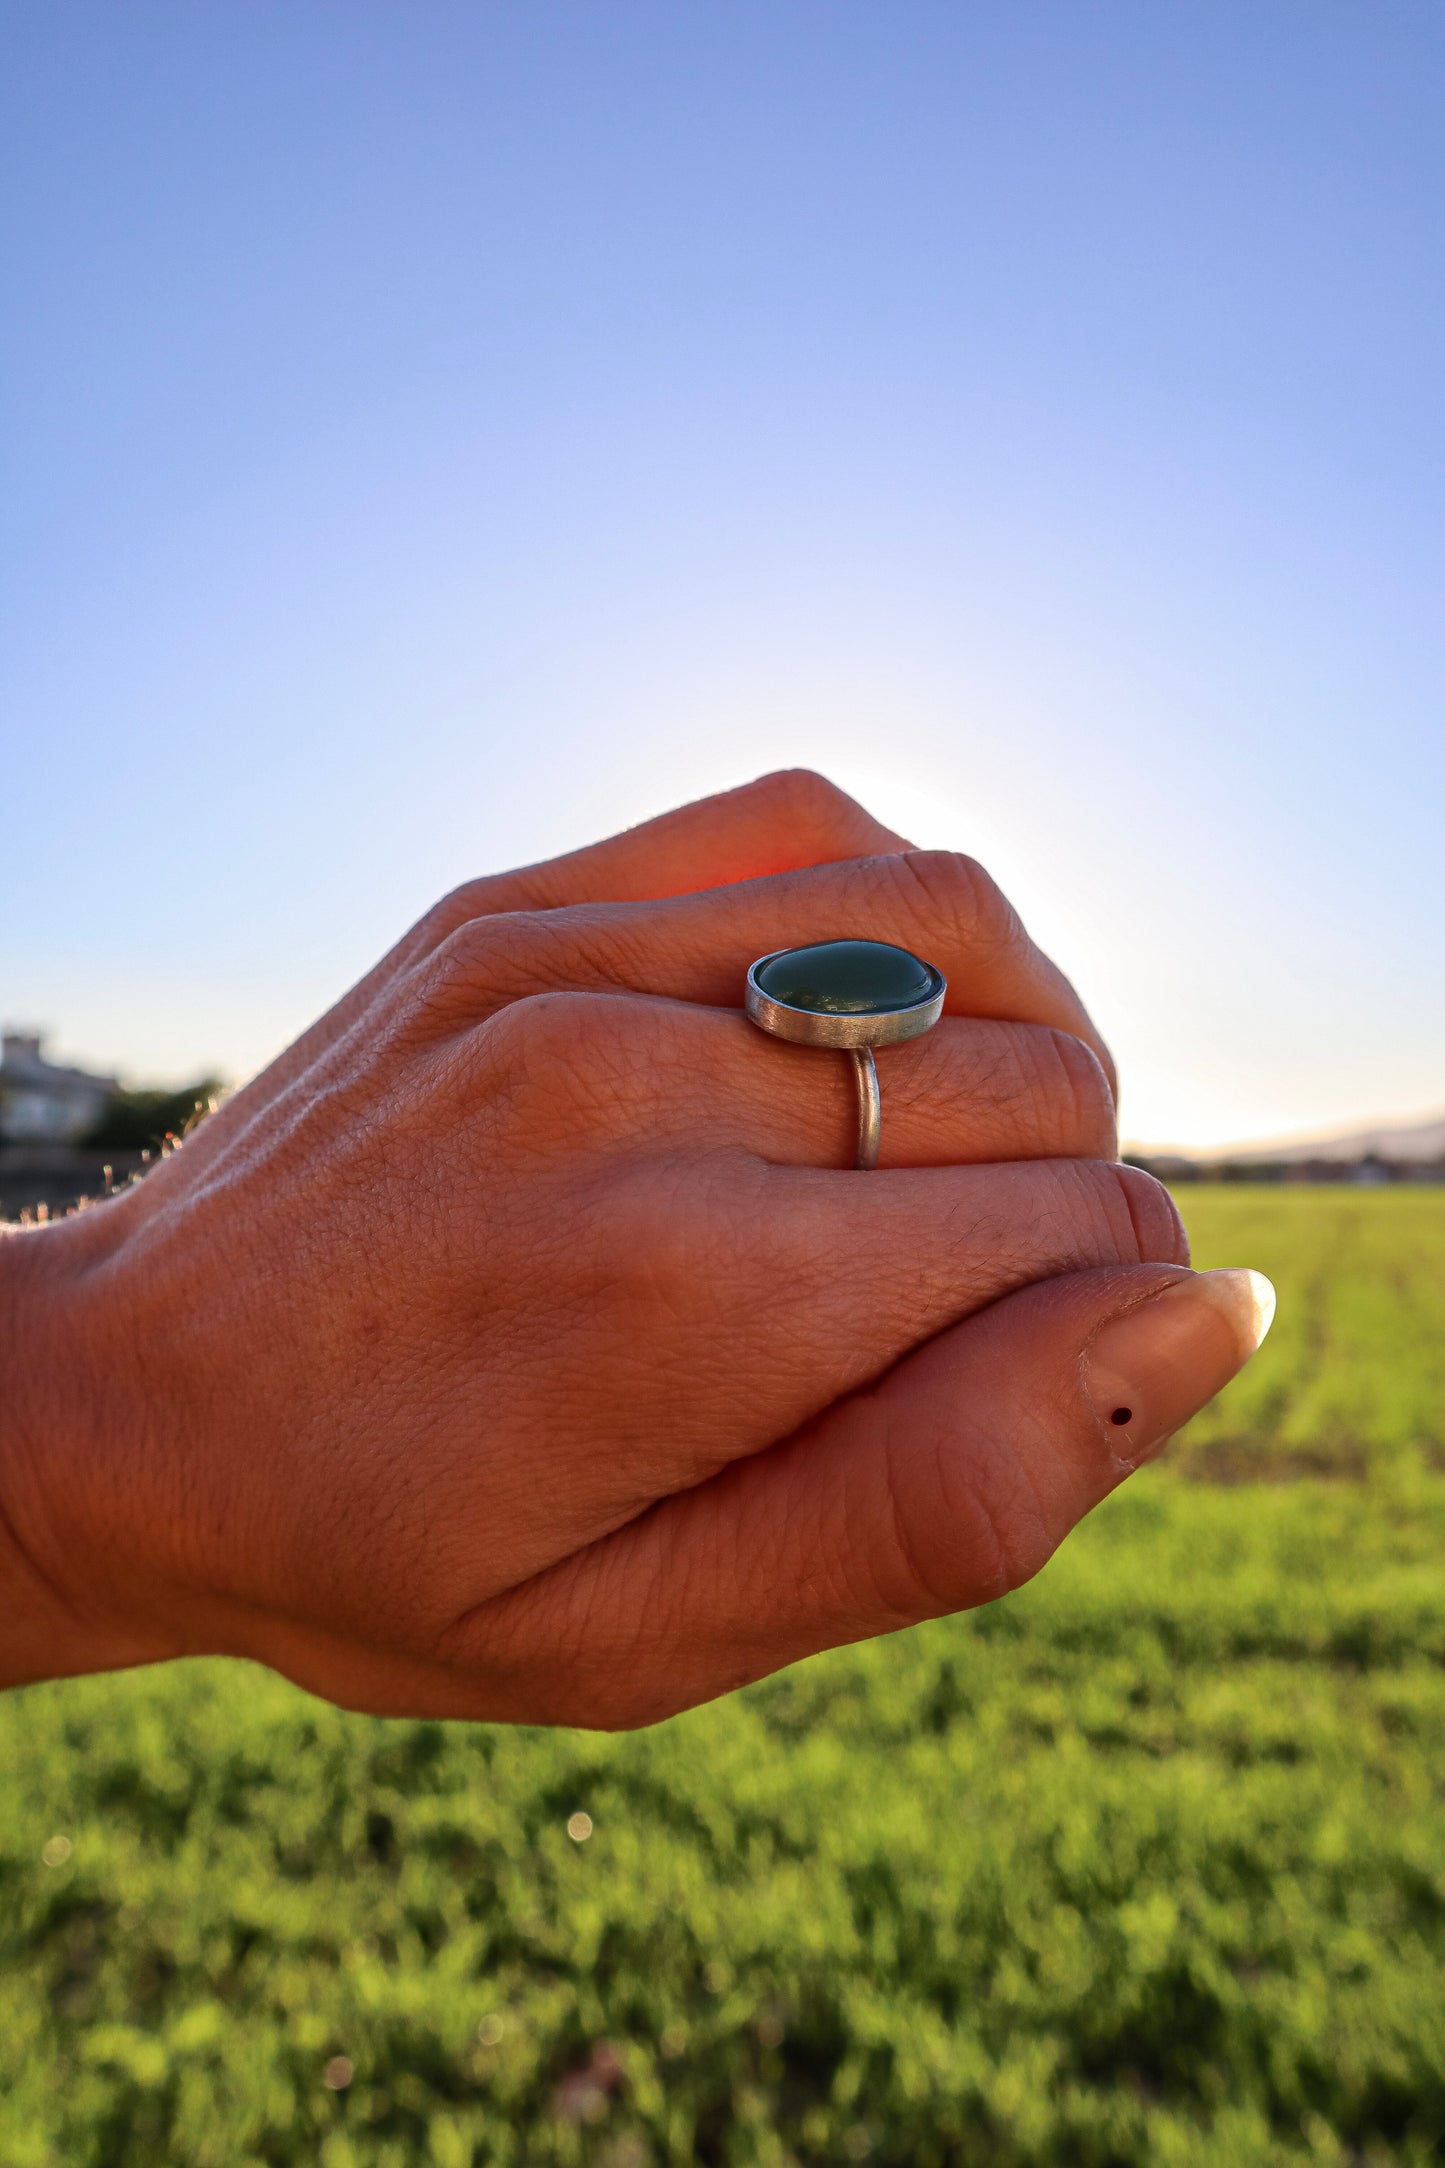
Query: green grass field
[1144, 1865]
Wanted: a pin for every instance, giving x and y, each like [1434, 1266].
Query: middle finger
[698, 947]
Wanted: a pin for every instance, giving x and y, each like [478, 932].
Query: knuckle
[476, 963]
[1097, 1212]
[1156, 1230]
[557, 1024]
[485, 963]
[459, 907]
[448, 986]
[803, 796]
[1073, 1091]
[419, 946]
[953, 896]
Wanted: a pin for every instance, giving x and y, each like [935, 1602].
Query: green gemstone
[848, 978]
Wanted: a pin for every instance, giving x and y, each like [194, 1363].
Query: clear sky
[435, 434]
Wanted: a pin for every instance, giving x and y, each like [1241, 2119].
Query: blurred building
[42, 1102]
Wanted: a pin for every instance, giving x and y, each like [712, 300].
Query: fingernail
[1151, 1369]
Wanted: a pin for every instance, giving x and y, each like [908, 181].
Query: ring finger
[973, 1090]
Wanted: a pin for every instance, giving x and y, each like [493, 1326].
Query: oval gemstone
[848, 978]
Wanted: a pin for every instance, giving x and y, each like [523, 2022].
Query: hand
[521, 1345]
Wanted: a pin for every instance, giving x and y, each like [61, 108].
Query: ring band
[855, 995]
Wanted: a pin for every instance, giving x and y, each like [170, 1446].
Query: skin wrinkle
[480, 968]
[943, 1461]
[588, 1602]
[517, 1277]
[1153, 1218]
[21, 1547]
[284, 1127]
[589, 1610]
[1019, 1560]
[984, 921]
[247, 1117]
[493, 1105]
[904, 1554]
[1012, 1090]
[583, 949]
[839, 829]
[323, 1175]
[580, 937]
[800, 1555]
[550, 1028]
[670, 1219]
[1017, 1570]
[582, 1652]
[946, 889]
[698, 1060]
[1023, 1541]
[1085, 1089]
[1047, 1442]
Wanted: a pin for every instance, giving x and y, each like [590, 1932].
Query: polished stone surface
[848, 978]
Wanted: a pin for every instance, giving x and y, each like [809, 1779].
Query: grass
[1144, 1865]
[1352, 1381]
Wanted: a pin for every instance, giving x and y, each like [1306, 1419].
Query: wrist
[60, 1613]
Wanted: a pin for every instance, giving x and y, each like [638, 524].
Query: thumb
[943, 1486]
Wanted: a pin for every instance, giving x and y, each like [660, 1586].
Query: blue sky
[436, 434]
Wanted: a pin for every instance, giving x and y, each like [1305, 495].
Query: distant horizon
[1363, 1129]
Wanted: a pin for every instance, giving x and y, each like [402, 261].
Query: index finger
[792, 817]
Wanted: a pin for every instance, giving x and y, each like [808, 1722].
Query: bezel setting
[829, 1027]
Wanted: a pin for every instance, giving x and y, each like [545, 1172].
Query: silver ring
[850, 994]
